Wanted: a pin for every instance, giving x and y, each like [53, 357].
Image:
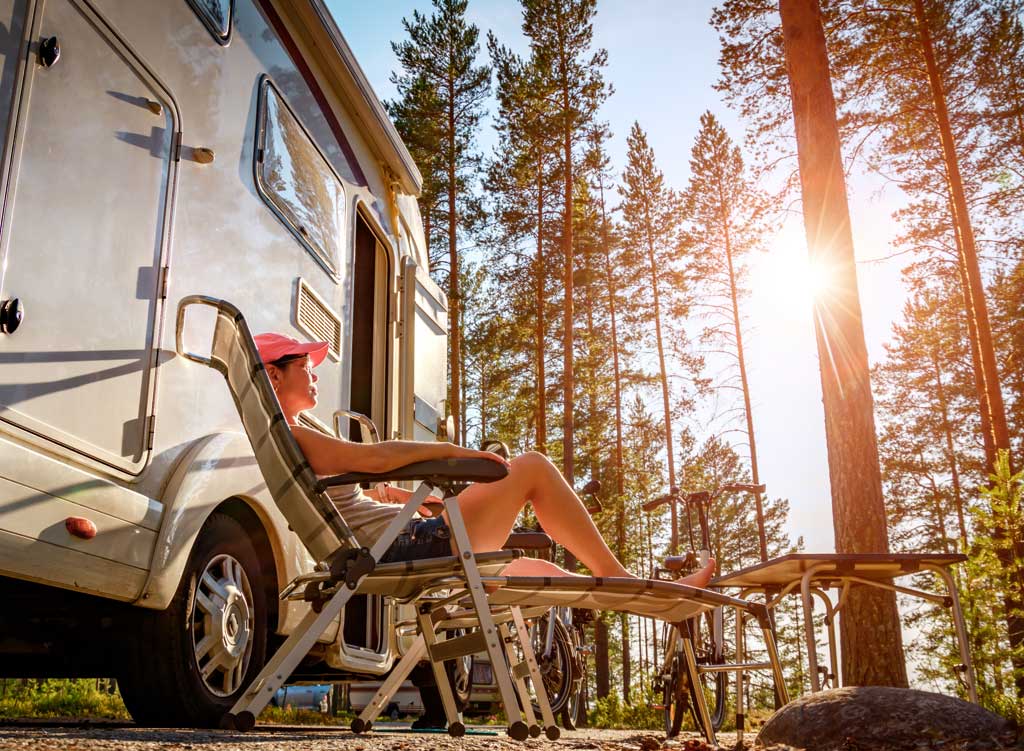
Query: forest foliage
[592, 300]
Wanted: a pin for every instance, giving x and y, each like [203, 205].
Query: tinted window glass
[297, 181]
[216, 16]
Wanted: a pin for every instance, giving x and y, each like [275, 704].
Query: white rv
[154, 149]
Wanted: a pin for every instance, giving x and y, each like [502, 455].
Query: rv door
[84, 230]
[424, 354]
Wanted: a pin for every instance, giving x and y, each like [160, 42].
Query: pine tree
[871, 639]
[440, 74]
[561, 34]
[725, 215]
[522, 180]
[650, 237]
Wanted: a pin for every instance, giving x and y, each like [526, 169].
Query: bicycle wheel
[556, 665]
[707, 645]
[674, 699]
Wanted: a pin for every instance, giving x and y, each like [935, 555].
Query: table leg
[961, 628]
[812, 654]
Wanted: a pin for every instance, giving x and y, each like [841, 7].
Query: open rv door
[424, 376]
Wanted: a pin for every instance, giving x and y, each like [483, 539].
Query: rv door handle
[49, 52]
[12, 313]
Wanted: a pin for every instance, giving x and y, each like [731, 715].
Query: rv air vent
[316, 319]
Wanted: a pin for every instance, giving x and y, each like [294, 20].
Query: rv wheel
[192, 661]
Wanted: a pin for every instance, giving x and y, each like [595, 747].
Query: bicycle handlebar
[661, 500]
[742, 487]
[701, 496]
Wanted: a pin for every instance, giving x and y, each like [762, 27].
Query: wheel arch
[218, 473]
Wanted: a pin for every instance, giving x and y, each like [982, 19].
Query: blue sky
[662, 62]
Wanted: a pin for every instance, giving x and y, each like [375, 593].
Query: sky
[662, 63]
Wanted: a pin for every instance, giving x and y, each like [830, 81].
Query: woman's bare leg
[491, 509]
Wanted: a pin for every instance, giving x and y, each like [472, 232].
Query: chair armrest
[440, 473]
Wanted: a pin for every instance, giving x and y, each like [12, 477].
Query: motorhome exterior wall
[222, 240]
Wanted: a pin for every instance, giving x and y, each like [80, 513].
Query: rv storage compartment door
[424, 354]
[83, 239]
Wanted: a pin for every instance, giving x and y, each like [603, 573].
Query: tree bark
[603, 676]
[568, 377]
[871, 641]
[542, 400]
[454, 301]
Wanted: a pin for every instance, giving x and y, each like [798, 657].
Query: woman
[489, 510]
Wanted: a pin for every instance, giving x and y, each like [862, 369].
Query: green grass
[52, 698]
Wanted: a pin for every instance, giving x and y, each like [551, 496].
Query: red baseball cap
[273, 347]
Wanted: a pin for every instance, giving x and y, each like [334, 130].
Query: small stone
[880, 717]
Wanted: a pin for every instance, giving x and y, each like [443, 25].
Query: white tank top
[366, 517]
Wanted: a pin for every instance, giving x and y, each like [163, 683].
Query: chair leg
[259, 693]
[550, 728]
[517, 729]
[517, 677]
[696, 692]
[456, 728]
[391, 684]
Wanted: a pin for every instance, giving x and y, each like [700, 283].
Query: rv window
[297, 181]
[216, 17]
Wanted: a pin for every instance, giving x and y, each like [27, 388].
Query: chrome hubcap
[222, 625]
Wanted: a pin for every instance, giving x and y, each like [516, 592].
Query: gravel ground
[389, 737]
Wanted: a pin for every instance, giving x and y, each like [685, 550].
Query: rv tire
[221, 601]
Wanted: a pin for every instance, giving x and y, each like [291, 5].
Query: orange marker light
[80, 527]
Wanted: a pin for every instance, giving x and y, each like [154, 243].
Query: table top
[778, 572]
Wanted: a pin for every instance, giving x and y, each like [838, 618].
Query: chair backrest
[295, 488]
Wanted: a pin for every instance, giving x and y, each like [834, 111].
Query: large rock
[876, 717]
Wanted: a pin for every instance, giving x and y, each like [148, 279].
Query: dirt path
[305, 738]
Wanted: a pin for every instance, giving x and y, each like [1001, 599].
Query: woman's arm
[331, 456]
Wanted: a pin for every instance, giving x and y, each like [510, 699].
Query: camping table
[816, 573]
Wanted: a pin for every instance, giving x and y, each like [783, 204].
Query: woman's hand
[467, 453]
[386, 493]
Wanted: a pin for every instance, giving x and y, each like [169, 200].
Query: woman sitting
[489, 509]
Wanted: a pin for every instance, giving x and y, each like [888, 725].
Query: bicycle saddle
[680, 562]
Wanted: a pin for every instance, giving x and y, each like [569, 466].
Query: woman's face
[295, 385]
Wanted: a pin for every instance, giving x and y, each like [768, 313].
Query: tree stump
[879, 717]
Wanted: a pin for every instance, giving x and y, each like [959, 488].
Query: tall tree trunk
[656, 290]
[568, 378]
[627, 659]
[603, 682]
[978, 310]
[620, 490]
[568, 381]
[454, 299]
[762, 538]
[542, 395]
[954, 470]
[992, 397]
[976, 367]
[871, 641]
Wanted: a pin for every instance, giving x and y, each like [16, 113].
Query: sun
[787, 275]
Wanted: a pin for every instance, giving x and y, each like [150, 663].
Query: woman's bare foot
[700, 578]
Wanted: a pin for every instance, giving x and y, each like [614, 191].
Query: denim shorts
[422, 538]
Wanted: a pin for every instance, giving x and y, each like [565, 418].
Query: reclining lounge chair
[345, 568]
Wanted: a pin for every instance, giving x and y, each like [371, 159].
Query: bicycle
[707, 630]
